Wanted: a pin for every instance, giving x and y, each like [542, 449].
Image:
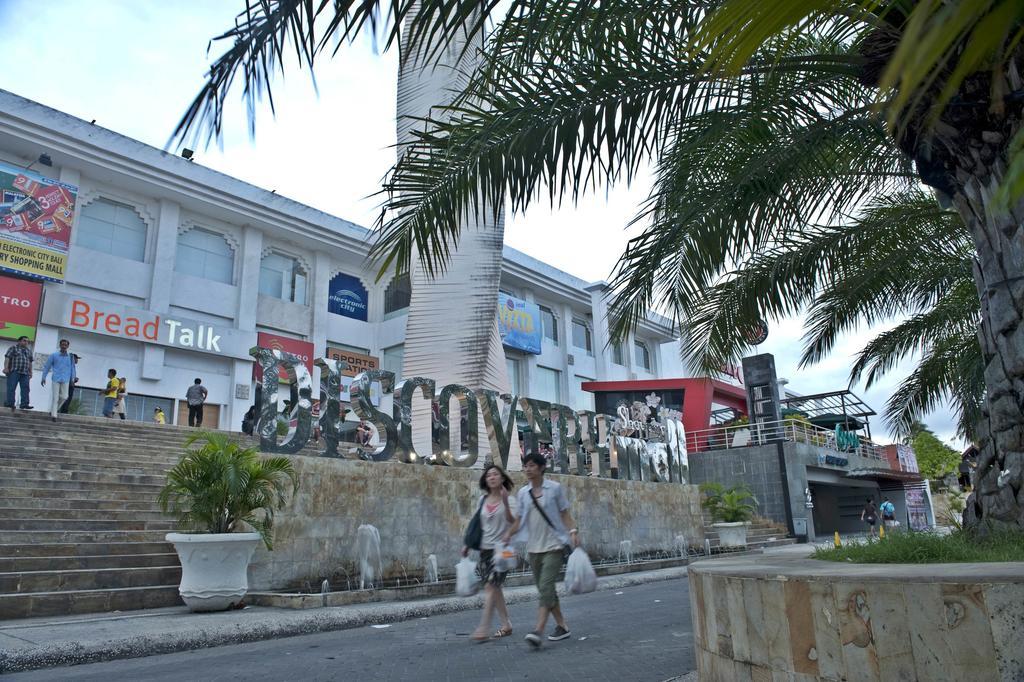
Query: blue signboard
[347, 297]
[519, 324]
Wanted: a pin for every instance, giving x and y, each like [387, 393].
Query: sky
[135, 65]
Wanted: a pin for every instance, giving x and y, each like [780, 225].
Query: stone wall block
[891, 632]
[1006, 616]
[756, 640]
[776, 629]
[829, 648]
[737, 619]
[723, 627]
[710, 614]
[859, 654]
[803, 649]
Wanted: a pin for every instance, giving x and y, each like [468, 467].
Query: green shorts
[546, 566]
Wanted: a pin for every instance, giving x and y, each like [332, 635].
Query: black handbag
[566, 549]
[474, 535]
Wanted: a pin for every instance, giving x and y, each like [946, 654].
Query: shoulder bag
[566, 549]
[474, 534]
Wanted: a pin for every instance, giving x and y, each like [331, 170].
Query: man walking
[110, 393]
[63, 367]
[545, 525]
[888, 510]
[66, 407]
[18, 368]
[195, 396]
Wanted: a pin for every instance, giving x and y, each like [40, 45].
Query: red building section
[698, 396]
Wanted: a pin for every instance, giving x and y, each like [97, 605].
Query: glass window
[547, 385]
[392, 360]
[642, 356]
[581, 336]
[112, 228]
[549, 324]
[513, 375]
[89, 402]
[205, 254]
[282, 277]
[617, 357]
[581, 400]
[398, 294]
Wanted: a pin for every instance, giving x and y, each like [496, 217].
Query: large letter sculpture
[298, 417]
[402, 411]
[359, 393]
[443, 448]
[331, 417]
[499, 429]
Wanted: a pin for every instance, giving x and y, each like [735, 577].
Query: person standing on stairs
[62, 366]
[122, 392]
[110, 393]
[66, 407]
[195, 396]
[18, 368]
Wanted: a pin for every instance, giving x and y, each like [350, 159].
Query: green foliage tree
[769, 123]
[934, 458]
[220, 485]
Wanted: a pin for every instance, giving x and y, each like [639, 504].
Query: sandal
[478, 637]
[503, 631]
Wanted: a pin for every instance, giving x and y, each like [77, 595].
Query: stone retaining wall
[801, 619]
[422, 509]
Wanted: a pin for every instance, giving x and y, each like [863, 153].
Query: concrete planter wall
[421, 510]
[800, 619]
[731, 534]
[214, 568]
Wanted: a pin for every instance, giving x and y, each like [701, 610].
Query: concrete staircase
[80, 529]
[761, 534]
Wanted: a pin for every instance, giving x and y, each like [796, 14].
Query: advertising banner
[917, 509]
[35, 223]
[303, 349]
[347, 297]
[19, 307]
[357, 362]
[519, 324]
[164, 329]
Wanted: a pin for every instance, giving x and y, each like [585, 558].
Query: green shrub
[928, 548]
[728, 505]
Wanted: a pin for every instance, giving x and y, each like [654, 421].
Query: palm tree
[815, 111]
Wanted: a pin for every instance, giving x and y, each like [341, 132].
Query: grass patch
[928, 548]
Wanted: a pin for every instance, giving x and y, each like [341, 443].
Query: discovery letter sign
[112, 319]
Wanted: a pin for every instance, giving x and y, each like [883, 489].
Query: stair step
[66, 549]
[131, 495]
[10, 473]
[68, 524]
[103, 486]
[24, 537]
[38, 604]
[63, 463]
[88, 579]
[67, 503]
[71, 563]
[51, 515]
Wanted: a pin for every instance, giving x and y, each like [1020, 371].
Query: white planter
[214, 568]
[732, 534]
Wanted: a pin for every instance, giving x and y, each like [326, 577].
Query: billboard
[303, 349]
[19, 307]
[35, 223]
[346, 296]
[519, 324]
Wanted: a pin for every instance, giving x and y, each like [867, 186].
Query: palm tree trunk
[998, 497]
[451, 334]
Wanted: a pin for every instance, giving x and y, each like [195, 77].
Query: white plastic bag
[466, 583]
[505, 558]
[580, 577]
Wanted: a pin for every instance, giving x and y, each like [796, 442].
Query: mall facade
[174, 271]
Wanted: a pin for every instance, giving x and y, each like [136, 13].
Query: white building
[156, 236]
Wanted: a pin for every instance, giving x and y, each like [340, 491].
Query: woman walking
[869, 515]
[122, 391]
[497, 512]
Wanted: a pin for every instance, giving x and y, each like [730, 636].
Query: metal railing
[746, 435]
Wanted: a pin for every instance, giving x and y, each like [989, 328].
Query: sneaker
[559, 634]
[533, 639]
[27, 407]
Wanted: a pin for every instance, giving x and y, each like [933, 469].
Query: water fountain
[430, 572]
[626, 550]
[368, 547]
[707, 546]
[681, 546]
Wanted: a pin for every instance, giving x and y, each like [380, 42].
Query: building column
[599, 315]
[321, 282]
[565, 330]
[529, 371]
[251, 254]
[162, 279]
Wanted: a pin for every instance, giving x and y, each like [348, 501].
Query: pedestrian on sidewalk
[158, 415]
[888, 510]
[62, 365]
[18, 368]
[497, 513]
[110, 393]
[122, 393]
[544, 524]
[869, 515]
[195, 396]
[66, 406]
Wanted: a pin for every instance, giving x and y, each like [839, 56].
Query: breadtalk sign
[112, 319]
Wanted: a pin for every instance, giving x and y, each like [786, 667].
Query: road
[641, 633]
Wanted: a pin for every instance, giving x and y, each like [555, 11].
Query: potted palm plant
[731, 510]
[215, 491]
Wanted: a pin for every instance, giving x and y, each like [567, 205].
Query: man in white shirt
[545, 526]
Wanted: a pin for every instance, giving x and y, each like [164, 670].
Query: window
[282, 277]
[89, 402]
[397, 295]
[205, 254]
[617, 357]
[547, 385]
[581, 336]
[581, 400]
[642, 356]
[112, 228]
[549, 324]
[513, 375]
[393, 359]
